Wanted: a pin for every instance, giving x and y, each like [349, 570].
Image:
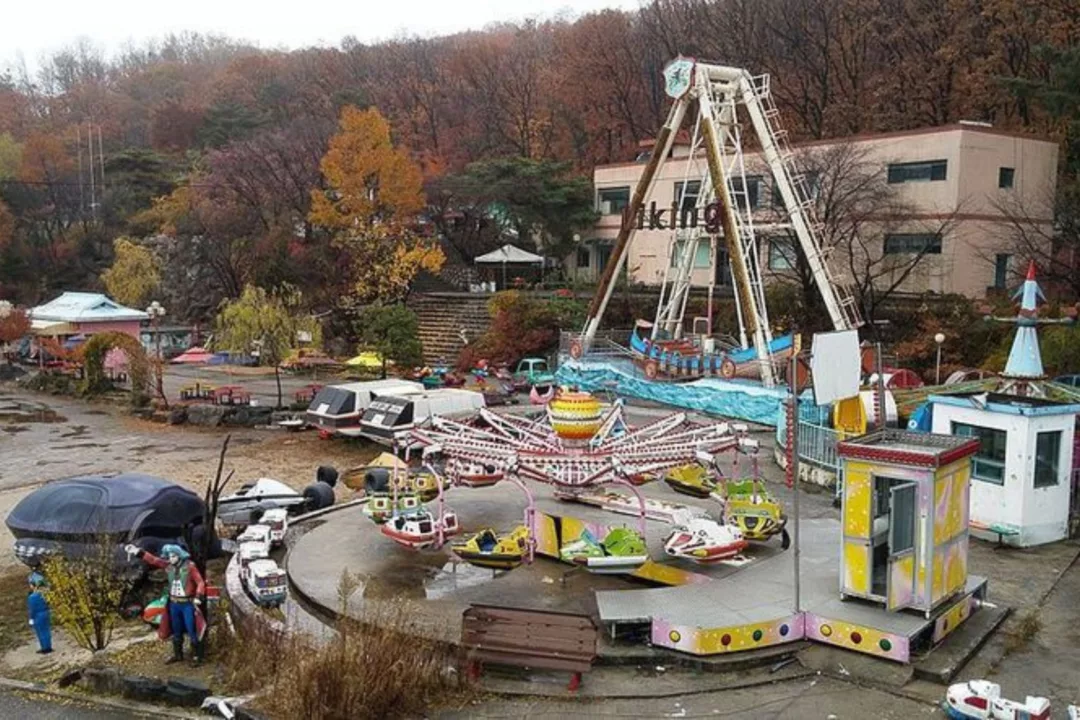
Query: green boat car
[621, 551]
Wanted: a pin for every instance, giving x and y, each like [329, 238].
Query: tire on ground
[327, 474]
[377, 480]
[319, 495]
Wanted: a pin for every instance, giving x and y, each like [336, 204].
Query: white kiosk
[1021, 478]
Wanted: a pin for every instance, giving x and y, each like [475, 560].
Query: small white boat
[475, 475]
[981, 700]
[420, 530]
[704, 541]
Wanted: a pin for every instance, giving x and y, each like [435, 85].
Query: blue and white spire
[1025, 361]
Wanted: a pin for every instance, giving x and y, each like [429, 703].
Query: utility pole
[93, 192]
[793, 464]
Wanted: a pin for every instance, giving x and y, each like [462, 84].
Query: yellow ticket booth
[905, 517]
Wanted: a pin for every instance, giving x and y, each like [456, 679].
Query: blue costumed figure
[186, 590]
[40, 617]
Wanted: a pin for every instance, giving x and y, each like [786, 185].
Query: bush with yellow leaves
[85, 594]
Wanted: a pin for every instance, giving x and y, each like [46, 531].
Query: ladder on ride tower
[841, 304]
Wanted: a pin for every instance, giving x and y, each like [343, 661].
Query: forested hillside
[213, 152]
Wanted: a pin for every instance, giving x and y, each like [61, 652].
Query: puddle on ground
[75, 431]
[16, 411]
[424, 577]
[77, 446]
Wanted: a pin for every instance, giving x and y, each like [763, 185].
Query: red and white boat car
[981, 700]
[704, 541]
[475, 475]
[420, 530]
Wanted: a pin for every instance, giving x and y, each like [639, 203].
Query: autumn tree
[268, 324]
[134, 274]
[373, 194]
[14, 324]
[390, 330]
[1044, 226]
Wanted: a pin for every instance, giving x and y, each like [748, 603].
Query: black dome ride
[95, 505]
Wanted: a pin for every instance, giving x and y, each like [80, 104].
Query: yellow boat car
[690, 480]
[749, 507]
[499, 552]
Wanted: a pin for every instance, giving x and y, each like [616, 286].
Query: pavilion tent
[509, 255]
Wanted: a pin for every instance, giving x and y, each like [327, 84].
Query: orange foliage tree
[374, 192]
[14, 323]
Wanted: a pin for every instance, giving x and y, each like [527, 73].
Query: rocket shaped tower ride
[1025, 362]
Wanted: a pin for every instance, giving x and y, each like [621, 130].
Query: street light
[156, 311]
[939, 338]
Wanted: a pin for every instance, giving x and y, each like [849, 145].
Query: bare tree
[1044, 228]
[858, 209]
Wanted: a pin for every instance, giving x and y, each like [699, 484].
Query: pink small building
[80, 313]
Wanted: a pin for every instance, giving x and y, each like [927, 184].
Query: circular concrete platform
[437, 587]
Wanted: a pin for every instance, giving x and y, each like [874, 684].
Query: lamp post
[939, 339]
[156, 311]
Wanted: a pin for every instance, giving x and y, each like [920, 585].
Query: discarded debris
[782, 664]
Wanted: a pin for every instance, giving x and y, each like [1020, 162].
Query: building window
[989, 462]
[1047, 452]
[583, 257]
[913, 243]
[1001, 270]
[917, 171]
[752, 192]
[811, 185]
[781, 252]
[702, 258]
[689, 201]
[1005, 177]
[612, 201]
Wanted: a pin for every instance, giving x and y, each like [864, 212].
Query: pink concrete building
[947, 192]
[79, 313]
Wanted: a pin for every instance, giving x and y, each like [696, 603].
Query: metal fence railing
[817, 444]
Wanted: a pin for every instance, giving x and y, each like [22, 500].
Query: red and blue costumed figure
[186, 589]
[40, 617]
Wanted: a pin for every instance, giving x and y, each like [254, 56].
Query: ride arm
[151, 559]
[664, 140]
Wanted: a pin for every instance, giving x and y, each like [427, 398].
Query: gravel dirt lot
[46, 438]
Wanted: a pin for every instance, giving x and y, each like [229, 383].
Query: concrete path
[816, 698]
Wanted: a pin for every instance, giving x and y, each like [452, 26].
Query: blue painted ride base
[740, 399]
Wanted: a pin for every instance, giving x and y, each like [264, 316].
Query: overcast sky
[36, 27]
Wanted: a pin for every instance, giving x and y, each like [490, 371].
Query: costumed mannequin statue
[186, 589]
[40, 617]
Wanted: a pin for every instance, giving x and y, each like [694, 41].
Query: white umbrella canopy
[509, 255]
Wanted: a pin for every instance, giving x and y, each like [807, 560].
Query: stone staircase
[442, 315]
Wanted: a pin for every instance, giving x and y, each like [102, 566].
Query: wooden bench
[537, 639]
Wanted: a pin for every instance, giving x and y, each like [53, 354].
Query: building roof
[908, 448]
[1008, 404]
[82, 307]
[683, 139]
